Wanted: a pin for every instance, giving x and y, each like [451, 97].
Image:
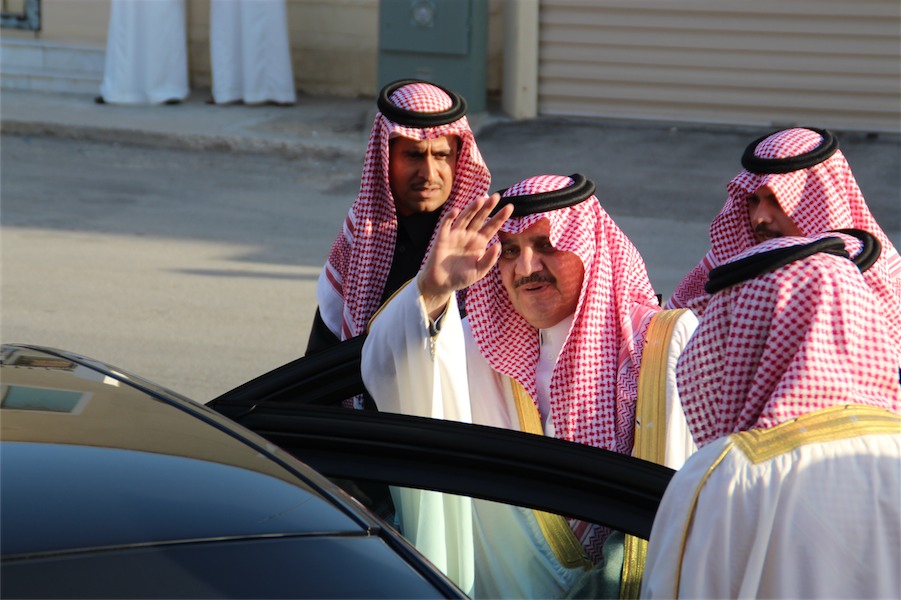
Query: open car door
[374, 456]
[286, 407]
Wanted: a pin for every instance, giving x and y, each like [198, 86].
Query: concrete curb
[290, 149]
[185, 141]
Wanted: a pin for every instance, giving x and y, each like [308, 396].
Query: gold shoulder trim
[650, 410]
[650, 430]
[835, 423]
[390, 298]
[825, 425]
[560, 537]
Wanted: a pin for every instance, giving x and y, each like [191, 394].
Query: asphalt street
[192, 260]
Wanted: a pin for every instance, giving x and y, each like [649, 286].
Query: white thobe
[816, 520]
[146, 52]
[490, 550]
[250, 52]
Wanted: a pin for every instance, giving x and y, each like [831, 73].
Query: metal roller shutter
[828, 63]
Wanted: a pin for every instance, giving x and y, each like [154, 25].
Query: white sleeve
[331, 304]
[679, 442]
[410, 372]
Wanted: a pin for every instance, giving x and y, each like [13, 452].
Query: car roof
[83, 447]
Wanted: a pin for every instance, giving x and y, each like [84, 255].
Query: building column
[520, 91]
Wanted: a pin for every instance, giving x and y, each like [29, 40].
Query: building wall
[69, 22]
[829, 63]
[334, 43]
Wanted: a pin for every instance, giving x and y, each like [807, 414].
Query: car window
[501, 550]
[420, 476]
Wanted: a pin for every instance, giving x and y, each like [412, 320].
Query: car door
[366, 451]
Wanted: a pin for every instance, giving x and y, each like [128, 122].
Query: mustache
[533, 278]
[425, 183]
[762, 230]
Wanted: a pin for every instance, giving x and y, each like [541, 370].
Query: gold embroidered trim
[825, 425]
[650, 430]
[635, 554]
[691, 513]
[385, 303]
[529, 419]
[560, 537]
[650, 409]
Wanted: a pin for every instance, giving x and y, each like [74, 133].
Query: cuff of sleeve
[435, 324]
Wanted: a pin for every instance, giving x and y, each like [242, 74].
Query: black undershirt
[413, 236]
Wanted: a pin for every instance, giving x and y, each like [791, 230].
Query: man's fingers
[484, 211]
[467, 215]
[448, 220]
[487, 260]
[495, 223]
[476, 212]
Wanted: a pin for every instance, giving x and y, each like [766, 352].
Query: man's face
[768, 220]
[421, 174]
[543, 283]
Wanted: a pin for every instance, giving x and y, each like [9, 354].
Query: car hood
[89, 459]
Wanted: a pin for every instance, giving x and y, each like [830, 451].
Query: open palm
[460, 255]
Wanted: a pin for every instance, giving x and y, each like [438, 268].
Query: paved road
[197, 270]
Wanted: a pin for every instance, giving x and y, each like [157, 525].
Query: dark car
[114, 487]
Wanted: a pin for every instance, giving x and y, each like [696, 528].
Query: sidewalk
[637, 164]
[315, 126]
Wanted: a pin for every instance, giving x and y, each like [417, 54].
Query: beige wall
[334, 43]
[728, 61]
[82, 21]
[70, 22]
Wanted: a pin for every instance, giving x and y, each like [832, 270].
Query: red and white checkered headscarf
[354, 277]
[802, 338]
[594, 385]
[817, 199]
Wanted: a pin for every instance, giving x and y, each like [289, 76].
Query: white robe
[250, 52]
[821, 520]
[409, 372]
[146, 52]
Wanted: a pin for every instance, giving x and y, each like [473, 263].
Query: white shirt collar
[551, 343]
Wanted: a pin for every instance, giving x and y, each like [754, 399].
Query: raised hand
[460, 255]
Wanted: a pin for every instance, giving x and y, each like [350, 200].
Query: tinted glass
[300, 567]
[495, 550]
[58, 497]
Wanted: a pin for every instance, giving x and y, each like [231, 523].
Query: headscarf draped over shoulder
[786, 342]
[354, 277]
[594, 385]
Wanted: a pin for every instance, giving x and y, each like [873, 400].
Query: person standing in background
[146, 53]
[250, 52]
[422, 160]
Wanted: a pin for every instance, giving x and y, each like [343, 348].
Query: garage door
[828, 63]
